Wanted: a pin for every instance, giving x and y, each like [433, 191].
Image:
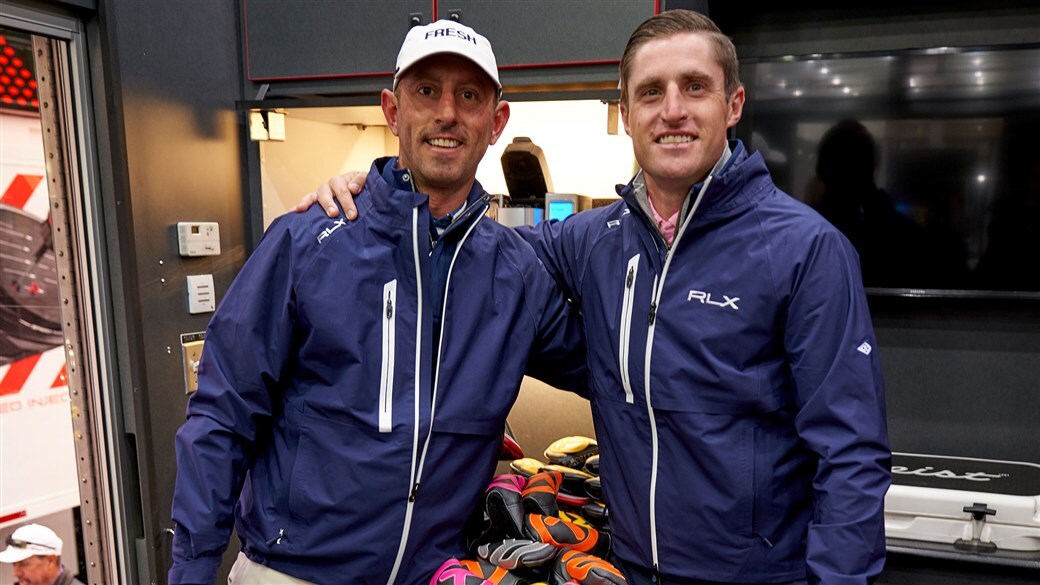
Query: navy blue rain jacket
[736, 390]
[353, 458]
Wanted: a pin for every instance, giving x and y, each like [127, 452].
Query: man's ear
[501, 117]
[736, 107]
[623, 108]
[388, 101]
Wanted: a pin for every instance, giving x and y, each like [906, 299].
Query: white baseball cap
[446, 36]
[30, 540]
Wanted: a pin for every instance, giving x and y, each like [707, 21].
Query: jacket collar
[738, 185]
[394, 196]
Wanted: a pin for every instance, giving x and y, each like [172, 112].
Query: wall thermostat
[198, 238]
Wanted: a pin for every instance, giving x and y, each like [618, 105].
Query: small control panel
[201, 295]
[198, 238]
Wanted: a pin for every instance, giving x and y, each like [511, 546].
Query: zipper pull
[415, 491]
[277, 539]
[389, 309]
[653, 313]
[630, 278]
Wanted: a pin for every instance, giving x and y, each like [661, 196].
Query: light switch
[201, 296]
[191, 349]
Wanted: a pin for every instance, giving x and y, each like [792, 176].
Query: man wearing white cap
[35, 553]
[350, 448]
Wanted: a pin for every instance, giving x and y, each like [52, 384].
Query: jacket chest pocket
[388, 305]
[628, 293]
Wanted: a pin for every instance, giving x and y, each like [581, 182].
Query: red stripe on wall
[17, 374]
[20, 189]
[13, 516]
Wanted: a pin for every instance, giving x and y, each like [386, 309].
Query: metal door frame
[70, 150]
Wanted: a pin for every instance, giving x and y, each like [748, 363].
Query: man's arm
[247, 342]
[558, 356]
[340, 187]
[557, 246]
[546, 238]
[837, 374]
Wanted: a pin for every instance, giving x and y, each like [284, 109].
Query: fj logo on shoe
[705, 299]
[864, 348]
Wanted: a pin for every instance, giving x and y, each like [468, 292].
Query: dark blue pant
[639, 576]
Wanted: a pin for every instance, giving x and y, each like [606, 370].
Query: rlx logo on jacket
[705, 299]
[328, 231]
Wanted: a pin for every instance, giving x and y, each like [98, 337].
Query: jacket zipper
[416, 478]
[412, 481]
[440, 347]
[655, 301]
[386, 379]
[626, 324]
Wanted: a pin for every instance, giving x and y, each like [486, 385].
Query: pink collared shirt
[667, 226]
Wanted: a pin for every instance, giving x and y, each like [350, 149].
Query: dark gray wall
[550, 32]
[326, 38]
[169, 76]
[328, 49]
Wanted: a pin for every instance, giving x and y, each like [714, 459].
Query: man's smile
[444, 142]
[675, 139]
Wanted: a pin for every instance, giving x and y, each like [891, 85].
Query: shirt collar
[665, 225]
[643, 196]
[439, 224]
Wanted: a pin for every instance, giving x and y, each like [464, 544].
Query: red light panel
[18, 86]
